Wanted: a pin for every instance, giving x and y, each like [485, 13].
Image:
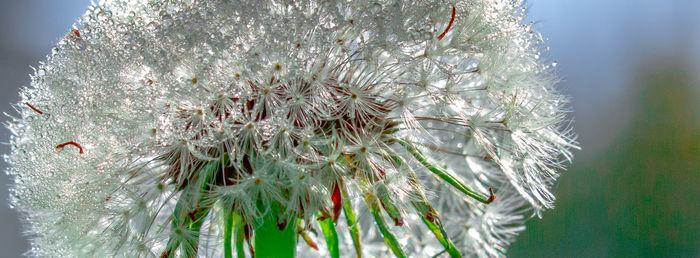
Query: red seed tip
[165, 254]
[75, 32]
[246, 232]
[492, 197]
[398, 222]
[192, 214]
[33, 108]
[336, 197]
[312, 244]
[430, 217]
[70, 143]
[281, 225]
[449, 25]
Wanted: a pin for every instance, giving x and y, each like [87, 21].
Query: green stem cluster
[276, 234]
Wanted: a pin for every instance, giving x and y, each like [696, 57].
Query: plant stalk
[230, 226]
[273, 238]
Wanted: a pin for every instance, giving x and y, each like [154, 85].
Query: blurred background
[632, 70]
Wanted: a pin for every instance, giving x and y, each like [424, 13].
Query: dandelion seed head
[248, 104]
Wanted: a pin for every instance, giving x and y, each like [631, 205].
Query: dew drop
[79, 44]
[375, 8]
[121, 28]
[103, 15]
[152, 26]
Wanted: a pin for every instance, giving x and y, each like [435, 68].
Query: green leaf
[446, 175]
[329, 232]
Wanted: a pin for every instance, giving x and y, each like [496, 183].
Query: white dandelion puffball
[366, 128]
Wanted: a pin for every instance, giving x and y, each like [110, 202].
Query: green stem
[240, 237]
[270, 241]
[449, 178]
[389, 237]
[189, 214]
[232, 222]
[428, 214]
[331, 235]
[352, 222]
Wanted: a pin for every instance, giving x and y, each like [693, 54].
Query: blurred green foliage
[641, 196]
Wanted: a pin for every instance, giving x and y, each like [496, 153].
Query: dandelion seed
[222, 127]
